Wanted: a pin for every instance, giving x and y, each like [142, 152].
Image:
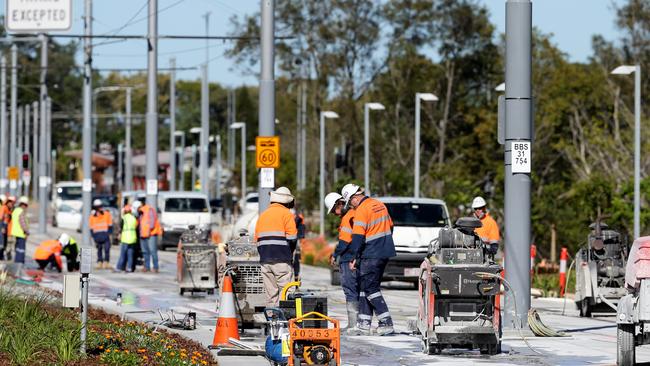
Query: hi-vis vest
[17, 230]
[342, 250]
[149, 224]
[274, 228]
[129, 224]
[372, 236]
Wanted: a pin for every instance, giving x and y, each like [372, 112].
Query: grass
[549, 283]
[35, 330]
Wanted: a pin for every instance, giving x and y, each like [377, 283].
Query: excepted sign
[267, 177]
[521, 157]
[12, 173]
[38, 15]
[152, 186]
[86, 185]
[42, 181]
[267, 151]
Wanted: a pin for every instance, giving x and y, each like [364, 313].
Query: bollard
[564, 254]
[533, 253]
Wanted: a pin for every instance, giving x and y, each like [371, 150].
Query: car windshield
[417, 214]
[252, 199]
[69, 193]
[186, 205]
[107, 201]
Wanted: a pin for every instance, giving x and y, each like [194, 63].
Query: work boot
[383, 330]
[107, 265]
[356, 331]
[353, 312]
[100, 265]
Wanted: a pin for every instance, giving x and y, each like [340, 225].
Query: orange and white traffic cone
[227, 322]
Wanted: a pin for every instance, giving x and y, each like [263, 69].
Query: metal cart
[196, 264]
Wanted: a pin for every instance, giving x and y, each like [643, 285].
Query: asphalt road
[147, 296]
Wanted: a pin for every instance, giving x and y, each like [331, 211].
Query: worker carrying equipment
[372, 245]
[343, 256]
[276, 236]
[489, 232]
[101, 228]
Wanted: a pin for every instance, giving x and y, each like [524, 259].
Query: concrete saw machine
[459, 287]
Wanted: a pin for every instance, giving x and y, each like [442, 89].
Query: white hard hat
[478, 202]
[349, 190]
[3, 197]
[135, 206]
[23, 200]
[64, 239]
[97, 203]
[330, 200]
[281, 195]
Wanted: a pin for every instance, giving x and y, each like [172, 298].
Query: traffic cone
[227, 322]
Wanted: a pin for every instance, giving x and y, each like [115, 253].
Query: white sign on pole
[24, 16]
[521, 157]
[152, 186]
[267, 177]
[86, 185]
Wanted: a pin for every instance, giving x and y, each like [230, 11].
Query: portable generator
[459, 286]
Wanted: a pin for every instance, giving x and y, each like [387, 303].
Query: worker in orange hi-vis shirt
[489, 232]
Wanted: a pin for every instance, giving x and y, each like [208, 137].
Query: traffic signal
[340, 161]
[25, 161]
[197, 159]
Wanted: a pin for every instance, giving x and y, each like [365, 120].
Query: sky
[573, 22]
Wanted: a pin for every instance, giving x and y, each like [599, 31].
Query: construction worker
[70, 251]
[3, 240]
[149, 231]
[49, 252]
[372, 245]
[20, 228]
[300, 226]
[489, 232]
[276, 236]
[128, 239]
[7, 240]
[101, 228]
[343, 256]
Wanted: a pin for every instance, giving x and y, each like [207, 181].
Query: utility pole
[128, 151]
[27, 148]
[13, 184]
[205, 130]
[4, 138]
[181, 161]
[19, 148]
[51, 155]
[519, 124]
[267, 88]
[303, 137]
[152, 108]
[299, 155]
[193, 183]
[42, 149]
[35, 149]
[217, 139]
[120, 167]
[172, 123]
[232, 117]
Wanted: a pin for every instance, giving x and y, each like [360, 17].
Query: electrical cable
[566, 283]
[539, 328]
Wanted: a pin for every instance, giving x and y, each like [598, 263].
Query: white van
[67, 199]
[179, 210]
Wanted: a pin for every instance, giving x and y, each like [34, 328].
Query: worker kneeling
[49, 252]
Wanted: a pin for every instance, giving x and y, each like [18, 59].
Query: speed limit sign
[267, 151]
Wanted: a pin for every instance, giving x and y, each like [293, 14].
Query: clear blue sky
[572, 22]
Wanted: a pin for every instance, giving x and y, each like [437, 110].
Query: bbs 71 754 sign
[23, 16]
[267, 151]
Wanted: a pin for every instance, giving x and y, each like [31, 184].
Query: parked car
[178, 210]
[417, 221]
[68, 194]
[67, 217]
[250, 203]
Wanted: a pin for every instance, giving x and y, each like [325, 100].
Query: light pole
[196, 131]
[323, 115]
[181, 159]
[217, 164]
[627, 70]
[366, 141]
[427, 97]
[235, 126]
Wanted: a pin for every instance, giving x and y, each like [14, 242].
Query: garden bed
[35, 330]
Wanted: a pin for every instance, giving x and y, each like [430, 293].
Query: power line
[169, 37]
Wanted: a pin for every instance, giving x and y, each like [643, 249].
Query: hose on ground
[539, 328]
[566, 283]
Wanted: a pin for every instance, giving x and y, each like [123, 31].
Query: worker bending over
[276, 236]
[489, 231]
[49, 252]
[343, 255]
[372, 246]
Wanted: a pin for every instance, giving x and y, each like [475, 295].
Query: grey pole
[128, 151]
[181, 160]
[205, 130]
[243, 161]
[19, 149]
[267, 87]
[51, 157]
[303, 138]
[120, 167]
[193, 183]
[172, 123]
[230, 152]
[416, 175]
[207, 33]
[42, 150]
[152, 107]
[218, 166]
[366, 148]
[4, 138]
[321, 168]
[517, 185]
[299, 156]
[637, 151]
[86, 161]
[35, 151]
[13, 184]
[27, 147]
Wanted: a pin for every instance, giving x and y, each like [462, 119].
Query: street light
[427, 97]
[501, 87]
[242, 125]
[217, 141]
[627, 70]
[196, 131]
[323, 115]
[181, 158]
[366, 141]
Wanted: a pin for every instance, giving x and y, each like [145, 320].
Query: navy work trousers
[103, 250]
[371, 300]
[349, 282]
